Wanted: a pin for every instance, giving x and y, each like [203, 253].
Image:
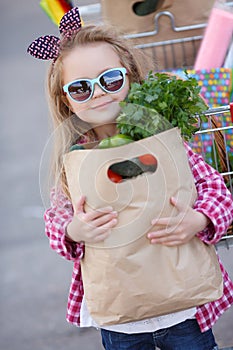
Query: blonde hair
[67, 127]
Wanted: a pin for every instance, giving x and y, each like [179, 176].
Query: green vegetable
[139, 122]
[172, 100]
[115, 141]
[127, 169]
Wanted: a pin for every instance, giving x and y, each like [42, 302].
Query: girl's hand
[92, 227]
[180, 229]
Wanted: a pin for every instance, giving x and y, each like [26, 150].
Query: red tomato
[114, 177]
[147, 159]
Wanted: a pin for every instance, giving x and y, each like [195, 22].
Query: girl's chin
[104, 117]
[103, 121]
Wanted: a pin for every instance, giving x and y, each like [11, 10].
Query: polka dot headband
[47, 47]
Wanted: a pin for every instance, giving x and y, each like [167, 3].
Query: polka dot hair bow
[47, 47]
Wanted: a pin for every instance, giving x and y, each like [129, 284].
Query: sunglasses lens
[112, 81]
[80, 90]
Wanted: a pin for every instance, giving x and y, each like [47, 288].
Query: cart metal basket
[215, 139]
[166, 51]
[175, 53]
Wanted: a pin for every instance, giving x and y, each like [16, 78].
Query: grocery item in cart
[217, 38]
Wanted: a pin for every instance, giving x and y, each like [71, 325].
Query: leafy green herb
[172, 102]
[140, 122]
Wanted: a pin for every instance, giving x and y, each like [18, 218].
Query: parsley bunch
[172, 102]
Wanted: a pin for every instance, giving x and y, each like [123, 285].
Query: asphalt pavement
[34, 280]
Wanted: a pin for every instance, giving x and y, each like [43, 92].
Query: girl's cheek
[78, 108]
[67, 103]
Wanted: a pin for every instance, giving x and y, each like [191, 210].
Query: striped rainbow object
[55, 9]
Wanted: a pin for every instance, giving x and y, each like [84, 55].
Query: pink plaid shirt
[214, 200]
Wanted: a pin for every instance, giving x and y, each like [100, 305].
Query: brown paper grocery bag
[125, 277]
[172, 20]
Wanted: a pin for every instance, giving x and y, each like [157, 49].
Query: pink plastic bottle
[216, 40]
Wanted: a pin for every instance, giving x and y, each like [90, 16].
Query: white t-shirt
[148, 325]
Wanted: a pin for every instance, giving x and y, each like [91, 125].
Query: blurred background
[34, 280]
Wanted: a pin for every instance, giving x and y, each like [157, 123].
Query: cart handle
[221, 109]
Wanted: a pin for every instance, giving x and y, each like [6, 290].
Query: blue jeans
[183, 336]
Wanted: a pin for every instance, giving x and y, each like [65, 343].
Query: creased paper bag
[125, 277]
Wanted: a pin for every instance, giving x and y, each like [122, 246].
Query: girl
[91, 73]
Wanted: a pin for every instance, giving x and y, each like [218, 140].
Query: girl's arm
[57, 217]
[214, 199]
[68, 229]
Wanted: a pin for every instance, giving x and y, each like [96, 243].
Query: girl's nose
[98, 91]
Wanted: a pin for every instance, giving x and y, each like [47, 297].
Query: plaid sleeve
[208, 314]
[56, 218]
[214, 199]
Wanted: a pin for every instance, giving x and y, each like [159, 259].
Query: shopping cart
[164, 54]
[215, 138]
[176, 52]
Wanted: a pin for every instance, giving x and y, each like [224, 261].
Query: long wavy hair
[67, 126]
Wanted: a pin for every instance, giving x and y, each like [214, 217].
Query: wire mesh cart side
[173, 53]
[214, 141]
[177, 51]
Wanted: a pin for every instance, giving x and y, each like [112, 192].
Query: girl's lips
[101, 105]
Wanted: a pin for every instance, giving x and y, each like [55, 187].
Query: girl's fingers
[159, 236]
[109, 224]
[104, 219]
[169, 240]
[102, 232]
[105, 227]
[95, 214]
[96, 224]
[168, 237]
